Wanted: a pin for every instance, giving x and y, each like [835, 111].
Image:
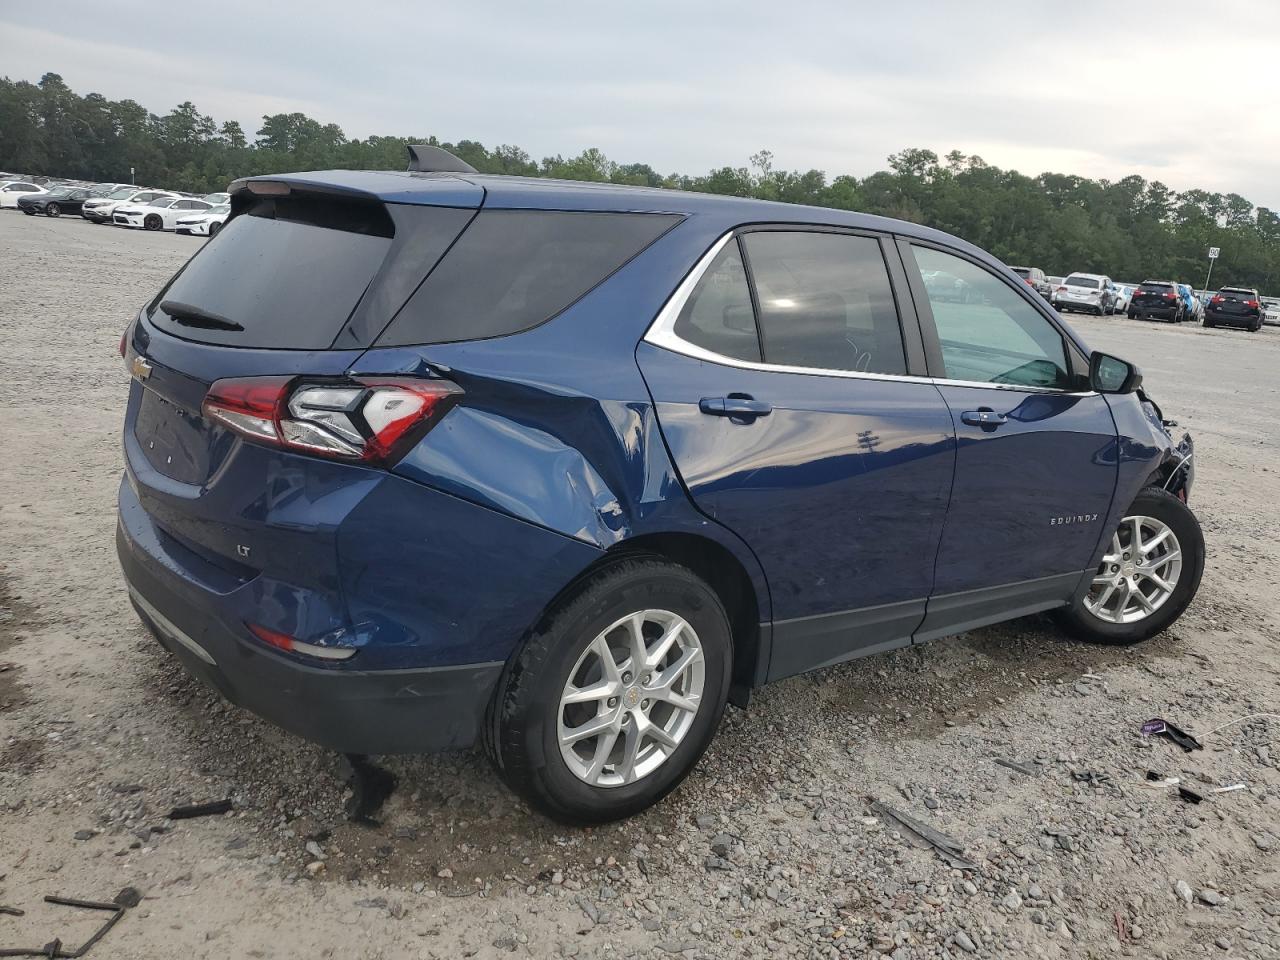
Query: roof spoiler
[424, 158]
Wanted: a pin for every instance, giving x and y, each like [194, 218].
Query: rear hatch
[1152, 295]
[300, 280]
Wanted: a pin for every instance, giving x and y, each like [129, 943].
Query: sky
[1181, 92]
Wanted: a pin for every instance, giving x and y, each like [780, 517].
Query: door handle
[741, 408]
[983, 417]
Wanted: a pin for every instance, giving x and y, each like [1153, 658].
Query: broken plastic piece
[1161, 727]
[53, 949]
[1019, 767]
[200, 810]
[950, 851]
[1189, 795]
[1231, 789]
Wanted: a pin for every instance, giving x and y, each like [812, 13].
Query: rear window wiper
[190, 316]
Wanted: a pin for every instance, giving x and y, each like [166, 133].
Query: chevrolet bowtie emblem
[140, 368]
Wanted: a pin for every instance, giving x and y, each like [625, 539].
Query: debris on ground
[54, 949]
[192, 810]
[1019, 767]
[950, 850]
[1163, 728]
[370, 785]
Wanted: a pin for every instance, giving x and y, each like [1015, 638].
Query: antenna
[424, 158]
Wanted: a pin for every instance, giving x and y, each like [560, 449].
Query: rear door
[1036, 460]
[787, 373]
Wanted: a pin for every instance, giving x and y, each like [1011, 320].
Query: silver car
[1088, 292]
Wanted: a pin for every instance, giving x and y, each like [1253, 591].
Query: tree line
[1130, 228]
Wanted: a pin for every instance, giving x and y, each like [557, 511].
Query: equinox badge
[140, 368]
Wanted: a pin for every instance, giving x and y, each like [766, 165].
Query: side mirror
[1108, 374]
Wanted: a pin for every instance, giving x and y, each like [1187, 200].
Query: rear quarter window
[513, 269]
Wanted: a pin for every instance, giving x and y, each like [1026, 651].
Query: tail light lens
[124, 343]
[1216, 299]
[369, 419]
[1167, 296]
[1251, 303]
[282, 641]
[1061, 290]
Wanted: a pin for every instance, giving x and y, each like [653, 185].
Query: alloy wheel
[1138, 573]
[631, 698]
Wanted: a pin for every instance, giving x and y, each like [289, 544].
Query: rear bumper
[414, 710]
[1231, 319]
[1158, 312]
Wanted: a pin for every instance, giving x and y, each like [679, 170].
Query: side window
[718, 315]
[988, 333]
[825, 301]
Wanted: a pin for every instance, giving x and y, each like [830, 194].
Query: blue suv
[420, 459]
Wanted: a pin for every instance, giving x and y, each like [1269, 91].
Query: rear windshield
[512, 269]
[1023, 272]
[1088, 282]
[1238, 294]
[1156, 288]
[287, 273]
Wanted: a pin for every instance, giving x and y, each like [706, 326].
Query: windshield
[217, 197]
[221, 208]
[121, 195]
[1087, 282]
[162, 202]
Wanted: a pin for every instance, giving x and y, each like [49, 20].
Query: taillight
[1251, 303]
[282, 641]
[124, 343]
[1029, 282]
[1217, 299]
[1061, 290]
[1167, 296]
[370, 419]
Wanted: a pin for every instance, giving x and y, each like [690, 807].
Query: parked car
[1123, 295]
[205, 224]
[1159, 300]
[103, 209]
[1191, 309]
[55, 202]
[942, 285]
[1090, 292]
[1035, 279]
[413, 461]
[12, 190]
[1235, 307]
[217, 198]
[161, 213]
[1271, 311]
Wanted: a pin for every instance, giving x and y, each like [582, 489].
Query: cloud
[1096, 89]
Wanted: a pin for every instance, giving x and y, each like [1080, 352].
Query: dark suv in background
[1229, 307]
[1159, 300]
[419, 459]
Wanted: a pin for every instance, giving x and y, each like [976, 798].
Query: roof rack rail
[424, 158]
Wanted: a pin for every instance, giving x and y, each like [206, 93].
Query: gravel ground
[770, 849]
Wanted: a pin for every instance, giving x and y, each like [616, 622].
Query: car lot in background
[1123, 294]
[1234, 307]
[1087, 292]
[205, 224]
[1192, 309]
[1158, 300]
[55, 202]
[12, 190]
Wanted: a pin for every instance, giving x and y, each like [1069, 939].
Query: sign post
[1213, 255]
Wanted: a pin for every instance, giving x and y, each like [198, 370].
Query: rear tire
[53, 210]
[533, 712]
[1157, 507]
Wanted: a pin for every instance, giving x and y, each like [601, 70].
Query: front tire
[1149, 573]
[615, 696]
[53, 210]
[213, 230]
[153, 222]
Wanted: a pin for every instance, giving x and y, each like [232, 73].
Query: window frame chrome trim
[661, 333]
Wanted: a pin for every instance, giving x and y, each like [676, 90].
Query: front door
[798, 416]
[1036, 464]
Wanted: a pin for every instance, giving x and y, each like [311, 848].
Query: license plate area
[181, 445]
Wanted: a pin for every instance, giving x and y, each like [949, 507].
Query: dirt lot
[770, 849]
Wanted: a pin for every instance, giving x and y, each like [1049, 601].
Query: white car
[11, 190]
[205, 224]
[102, 209]
[1271, 311]
[1093, 292]
[1124, 294]
[160, 214]
[217, 198]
